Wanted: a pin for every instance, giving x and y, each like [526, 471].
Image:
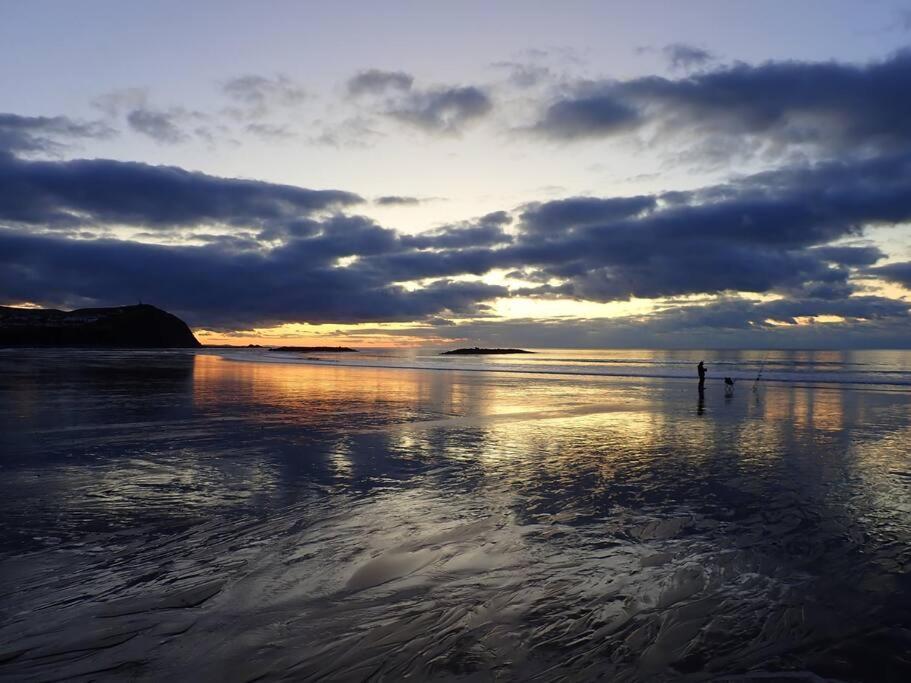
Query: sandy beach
[175, 515]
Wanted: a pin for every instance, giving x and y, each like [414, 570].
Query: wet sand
[189, 517]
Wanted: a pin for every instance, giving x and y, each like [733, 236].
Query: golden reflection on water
[644, 412]
[522, 428]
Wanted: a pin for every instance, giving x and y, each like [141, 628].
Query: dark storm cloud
[743, 314]
[590, 112]
[487, 231]
[685, 57]
[899, 273]
[826, 105]
[445, 110]
[219, 287]
[764, 233]
[566, 214]
[850, 256]
[378, 82]
[31, 134]
[61, 193]
[288, 259]
[768, 233]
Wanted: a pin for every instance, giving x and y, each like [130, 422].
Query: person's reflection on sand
[700, 407]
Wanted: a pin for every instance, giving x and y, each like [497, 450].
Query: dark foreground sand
[169, 516]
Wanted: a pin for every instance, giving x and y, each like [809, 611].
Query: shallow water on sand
[189, 516]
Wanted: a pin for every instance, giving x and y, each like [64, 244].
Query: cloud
[289, 255]
[378, 82]
[396, 200]
[444, 110]
[270, 131]
[122, 100]
[256, 96]
[220, 287]
[681, 56]
[824, 106]
[440, 109]
[591, 112]
[170, 126]
[352, 132]
[43, 134]
[524, 75]
[486, 231]
[722, 323]
[850, 255]
[899, 273]
[769, 233]
[580, 211]
[159, 125]
[98, 192]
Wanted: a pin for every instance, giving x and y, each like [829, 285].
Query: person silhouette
[701, 370]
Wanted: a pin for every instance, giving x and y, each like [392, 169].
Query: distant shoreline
[476, 351]
[315, 349]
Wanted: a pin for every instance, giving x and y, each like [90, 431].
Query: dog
[728, 386]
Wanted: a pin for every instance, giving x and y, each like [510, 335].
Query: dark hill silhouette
[141, 326]
[480, 352]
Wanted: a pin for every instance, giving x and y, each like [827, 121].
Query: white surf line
[809, 383]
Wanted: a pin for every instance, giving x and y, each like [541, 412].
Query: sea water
[247, 514]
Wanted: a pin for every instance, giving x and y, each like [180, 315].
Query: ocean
[235, 515]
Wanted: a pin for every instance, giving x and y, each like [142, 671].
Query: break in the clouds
[826, 106]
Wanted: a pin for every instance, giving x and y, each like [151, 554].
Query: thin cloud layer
[255, 96]
[158, 125]
[683, 57]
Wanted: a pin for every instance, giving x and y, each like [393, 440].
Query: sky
[542, 174]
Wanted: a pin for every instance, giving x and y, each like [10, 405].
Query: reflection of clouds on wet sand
[304, 522]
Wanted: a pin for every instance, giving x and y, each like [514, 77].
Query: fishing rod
[759, 374]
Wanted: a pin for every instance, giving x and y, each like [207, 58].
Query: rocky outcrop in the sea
[481, 352]
[141, 326]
